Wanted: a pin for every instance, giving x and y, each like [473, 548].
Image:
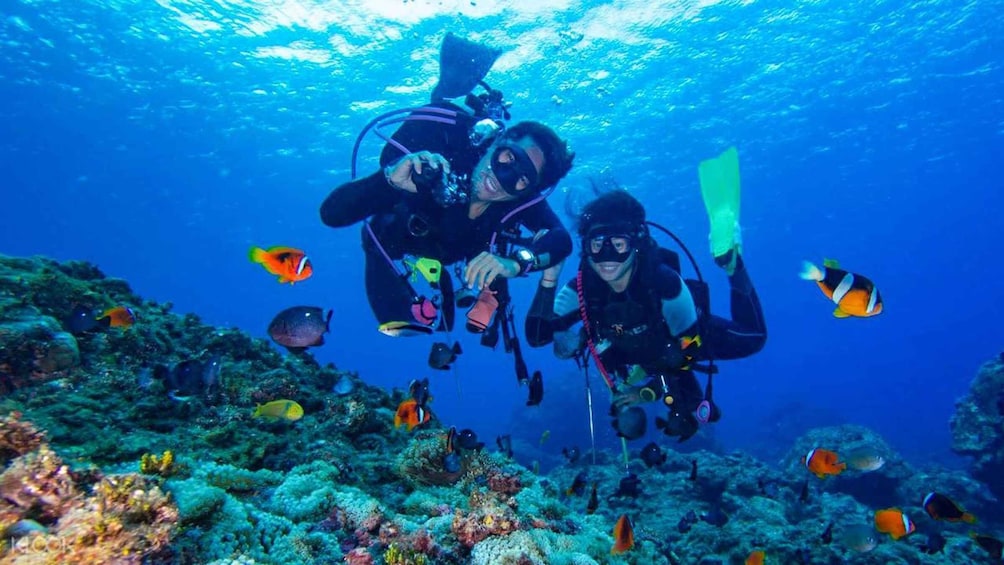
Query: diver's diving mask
[512, 167]
[608, 246]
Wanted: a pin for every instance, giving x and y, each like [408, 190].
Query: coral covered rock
[978, 425]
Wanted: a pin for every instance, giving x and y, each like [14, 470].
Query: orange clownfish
[118, 317]
[623, 535]
[410, 414]
[289, 264]
[823, 462]
[853, 294]
[756, 557]
[892, 521]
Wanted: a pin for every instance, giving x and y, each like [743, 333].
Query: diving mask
[513, 168]
[608, 246]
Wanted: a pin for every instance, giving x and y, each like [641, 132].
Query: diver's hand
[628, 396]
[398, 174]
[549, 276]
[482, 270]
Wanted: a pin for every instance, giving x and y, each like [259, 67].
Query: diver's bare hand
[626, 397]
[398, 173]
[549, 276]
[482, 270]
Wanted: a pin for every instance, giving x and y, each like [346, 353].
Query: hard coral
[18, 437]
[504, 483]
[421, 462]
[359, 556]
[125, 520]
[164, 465]
[480, 523]
[40, 484]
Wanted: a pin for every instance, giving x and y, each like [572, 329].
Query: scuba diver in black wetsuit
[456, 186]
[642, 321]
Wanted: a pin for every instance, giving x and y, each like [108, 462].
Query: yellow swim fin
[720, 188]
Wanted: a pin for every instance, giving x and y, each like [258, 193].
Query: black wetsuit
[413, 224]
[643, 325]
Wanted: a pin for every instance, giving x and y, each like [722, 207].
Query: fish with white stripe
[855, 295]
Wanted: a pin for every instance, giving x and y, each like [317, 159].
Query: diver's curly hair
[558, 157]
[612, 204]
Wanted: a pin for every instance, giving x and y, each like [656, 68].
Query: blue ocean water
[162, 139]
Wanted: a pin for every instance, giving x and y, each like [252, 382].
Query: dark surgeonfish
[300, 327]
[536, 389]
[442, 355]
[652, 455]
[190, 378]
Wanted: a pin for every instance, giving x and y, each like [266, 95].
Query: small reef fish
[823, 463]
[441, 355]
[468, 439]
[865, 459]
[652, 455]
[190, 377]
[892, 521]
[536, 394]
[118, 317]
[940, 507]
[419, 390]
[594, 501]
[344, 386]
[300, 327]
[935, 543]
[827, 536]
[504, 443]
[451, 460]
[84, 319]
[756, 557]
[853, 294]
[578, 486]
[288, 263]
[629, 487]
[991, 545]
[623, 535]
[687, 522]
[858, 538]
[397, 329]
[715, 517]
[288, 410]
[572, 454]
[544, 436]
[411, 414]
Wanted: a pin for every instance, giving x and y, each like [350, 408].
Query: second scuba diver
[451, 185]
[640, 320]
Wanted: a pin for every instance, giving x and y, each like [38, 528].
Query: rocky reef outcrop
[978, 425]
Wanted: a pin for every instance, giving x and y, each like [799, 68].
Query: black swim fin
[462, 64]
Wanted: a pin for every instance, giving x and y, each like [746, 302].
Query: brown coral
[39, 483]
[17, 437]
[125, 520]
